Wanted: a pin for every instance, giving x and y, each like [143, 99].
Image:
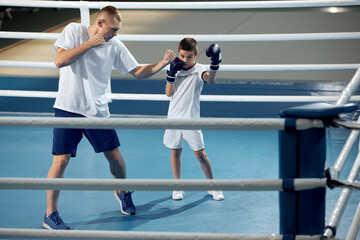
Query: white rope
[163, 123]
[350, 89]
[287, 67]
[241, 37]
[203, 98]
[355, 225]
[32, 94]
[29, 35]
[96, 234]
[201, 37]
[223, 67]
[339, 208]
[27, 64]
[157, 184]
[185, 5]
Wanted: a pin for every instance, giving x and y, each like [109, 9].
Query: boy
[184, 88]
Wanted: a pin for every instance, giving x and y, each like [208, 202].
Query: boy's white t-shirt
[185, 101]
[83, 84]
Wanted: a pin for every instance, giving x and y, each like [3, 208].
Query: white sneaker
[217, 195]
[178, 195]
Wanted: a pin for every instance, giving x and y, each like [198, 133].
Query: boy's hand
[175, 66]
[214, 52]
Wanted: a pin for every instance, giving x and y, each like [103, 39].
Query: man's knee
[113, 155]
[61, 161]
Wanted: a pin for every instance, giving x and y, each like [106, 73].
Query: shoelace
[56, 219]
[127, 200]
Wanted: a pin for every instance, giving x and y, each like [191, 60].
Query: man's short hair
[111, 11]
[188, 44]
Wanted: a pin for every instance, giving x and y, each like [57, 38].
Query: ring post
[303, 155]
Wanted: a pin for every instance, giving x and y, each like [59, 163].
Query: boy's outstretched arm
[141, 72]
[215, 54]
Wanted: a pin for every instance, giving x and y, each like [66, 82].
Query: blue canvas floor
[26, 152]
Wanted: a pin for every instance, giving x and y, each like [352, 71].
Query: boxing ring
[261, 125]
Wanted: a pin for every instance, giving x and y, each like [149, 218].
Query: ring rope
[355, 225]
[163, 123]
[350, 89]
[159, 184]
[203, 98]
[96, 234]
[224, 67]
[184, 5]
[201, 37]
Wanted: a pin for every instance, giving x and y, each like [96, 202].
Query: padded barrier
[302, 154]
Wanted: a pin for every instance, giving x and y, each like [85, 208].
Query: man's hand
[96, 40]
[169, 56]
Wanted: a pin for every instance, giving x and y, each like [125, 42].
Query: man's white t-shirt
[185, 101]
[83, 83]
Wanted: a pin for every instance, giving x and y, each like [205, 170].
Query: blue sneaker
[54, 222]
[126, 205]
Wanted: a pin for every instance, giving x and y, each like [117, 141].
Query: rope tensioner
[332, 181]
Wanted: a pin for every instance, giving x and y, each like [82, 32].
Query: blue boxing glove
[214, 52]
[175, 66]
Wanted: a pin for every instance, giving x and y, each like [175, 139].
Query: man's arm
[141, 72]
[66, 57]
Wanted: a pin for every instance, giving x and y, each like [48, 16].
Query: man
[86, 57]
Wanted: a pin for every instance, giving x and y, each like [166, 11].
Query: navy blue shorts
[66, 140]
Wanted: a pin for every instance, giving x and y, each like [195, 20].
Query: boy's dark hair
[188, 44]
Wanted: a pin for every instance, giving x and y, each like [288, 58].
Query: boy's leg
[204, 163]
[207, 169]
[196, 142]
[57, 170]
[174, 140]
[176, 162]
[176, 168]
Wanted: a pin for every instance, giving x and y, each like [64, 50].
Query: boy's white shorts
[174, 139]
